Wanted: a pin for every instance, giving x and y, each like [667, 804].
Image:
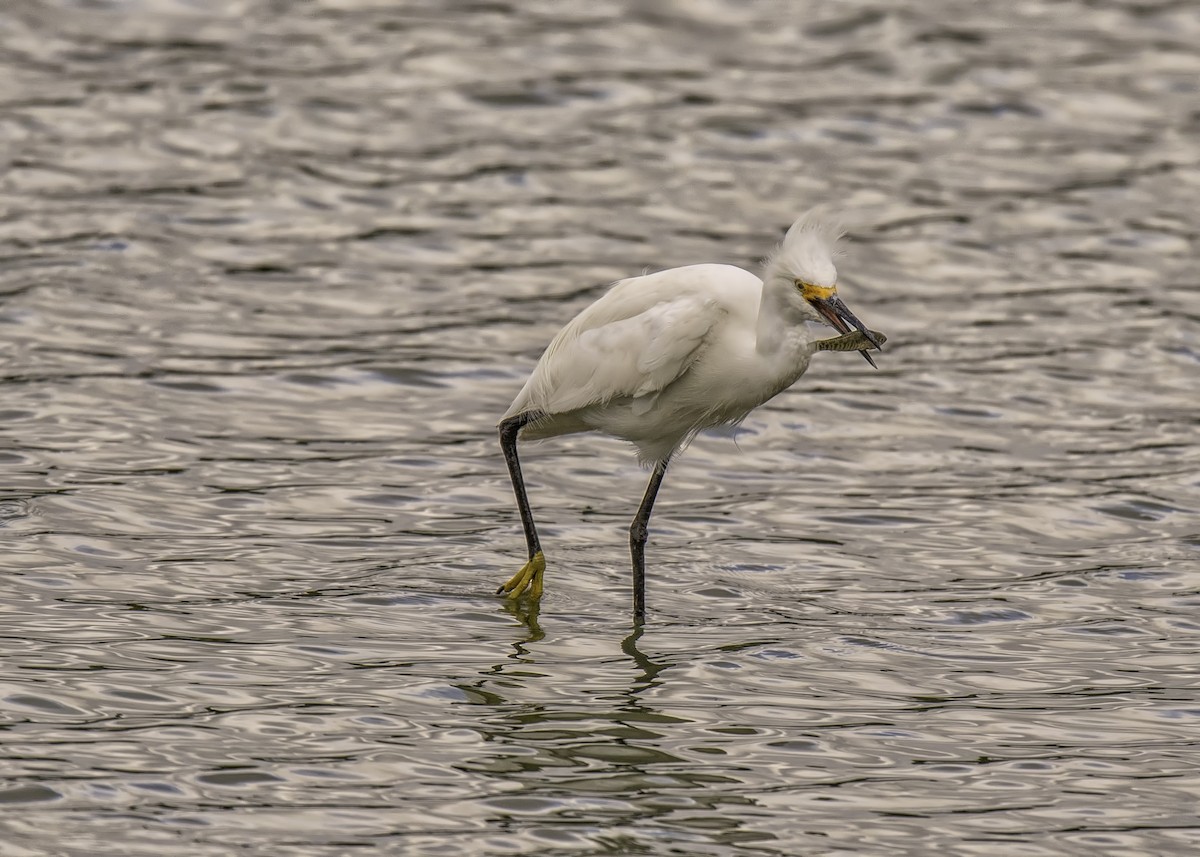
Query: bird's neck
[781, 334]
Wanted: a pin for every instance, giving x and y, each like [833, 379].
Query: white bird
[661, 357]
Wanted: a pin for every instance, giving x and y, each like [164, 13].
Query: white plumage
[632, 364]
[663, 356]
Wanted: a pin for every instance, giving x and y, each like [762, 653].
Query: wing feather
[606, 354]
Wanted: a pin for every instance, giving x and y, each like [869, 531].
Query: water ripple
[272, 273]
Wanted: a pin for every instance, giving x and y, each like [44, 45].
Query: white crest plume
[808, 250]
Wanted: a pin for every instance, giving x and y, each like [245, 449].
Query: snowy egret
[661, 357]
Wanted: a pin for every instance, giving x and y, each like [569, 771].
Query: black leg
[509, 429]
[638, 531]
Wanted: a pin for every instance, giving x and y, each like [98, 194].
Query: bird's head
[804, 264]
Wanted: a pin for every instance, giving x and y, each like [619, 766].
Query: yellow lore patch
[809, 291]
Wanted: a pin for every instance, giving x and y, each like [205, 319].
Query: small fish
[855, 340]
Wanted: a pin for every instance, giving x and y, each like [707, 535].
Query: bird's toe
[528, 579]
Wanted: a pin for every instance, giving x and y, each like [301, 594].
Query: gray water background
[270, 272]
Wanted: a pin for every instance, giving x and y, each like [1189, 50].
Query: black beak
[839, 316]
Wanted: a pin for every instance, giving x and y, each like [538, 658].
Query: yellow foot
[529, 578]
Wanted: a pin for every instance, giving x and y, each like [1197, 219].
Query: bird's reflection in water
[562, 731]
[650, 669]
[525, 611]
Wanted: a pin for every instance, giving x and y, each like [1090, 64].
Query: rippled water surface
[270, 273]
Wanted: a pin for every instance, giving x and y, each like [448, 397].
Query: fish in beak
[825, 300]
